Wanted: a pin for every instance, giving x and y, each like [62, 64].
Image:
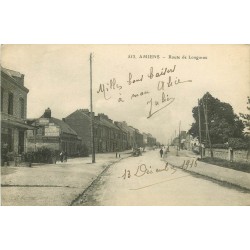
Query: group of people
[162, 152]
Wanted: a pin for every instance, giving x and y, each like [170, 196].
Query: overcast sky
[58, 77]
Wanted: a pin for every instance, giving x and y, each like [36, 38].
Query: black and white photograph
[125, 125]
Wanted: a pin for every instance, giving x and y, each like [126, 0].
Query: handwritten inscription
[143, 169]
[154, 103]
[163, 72]
[131, 80]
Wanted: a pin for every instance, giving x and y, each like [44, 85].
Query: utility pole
[179, 135]
[199, 128]
[91, 114]
[207, 130]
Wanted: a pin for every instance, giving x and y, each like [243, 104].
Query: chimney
[22, 79]
[85, 110]
[47, 113]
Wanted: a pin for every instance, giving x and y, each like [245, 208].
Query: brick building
[130, 134]
[145, 139]
[124, 136]
[13, 113]
[138, 138]
[151, 141]
[108, 136]
[54, 134]
[79, 120]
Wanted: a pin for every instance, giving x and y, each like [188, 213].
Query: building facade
[108, 136]
[79, 121]
[13, 113]
[151, 141]
[131, 143]
[54, 134]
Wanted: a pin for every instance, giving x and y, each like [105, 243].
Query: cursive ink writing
[163, 169]
[111, 85]
[153, 104]
[143, 169]
[189, 164]
[112, 89]
[163, 72]
[130, 79]
[103, 90]
[142, 93]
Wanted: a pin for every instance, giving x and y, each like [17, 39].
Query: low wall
[238, 155]
[52, 145]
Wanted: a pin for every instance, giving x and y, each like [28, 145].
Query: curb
[98, 177]
[220, 179]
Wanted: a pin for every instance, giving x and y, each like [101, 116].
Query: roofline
[15, 82]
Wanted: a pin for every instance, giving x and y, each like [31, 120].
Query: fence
[236, 155]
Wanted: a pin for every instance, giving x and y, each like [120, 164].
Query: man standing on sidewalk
[161, 152]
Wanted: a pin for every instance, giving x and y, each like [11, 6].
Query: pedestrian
[61, 156]
[65, 156]
[161, 152]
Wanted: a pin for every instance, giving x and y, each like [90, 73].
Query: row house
[151, 141]
[79, 121]
[54, 134]
[131, 143]
[138, 137]
[145, 139]
[108, 136]
[13, 113]
[125, 135]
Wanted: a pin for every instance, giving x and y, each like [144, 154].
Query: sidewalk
[52, 184]
[227, 175]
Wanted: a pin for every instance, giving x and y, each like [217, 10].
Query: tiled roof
[108, 124]
[121, 127]
[65, 128]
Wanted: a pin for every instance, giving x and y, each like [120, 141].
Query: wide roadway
[147, 180]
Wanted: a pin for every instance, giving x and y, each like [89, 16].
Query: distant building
[138, 138]
[151, 141]
[108, 136]
[124, 134]
[188, 142]
[13, 113]
[180, 140]
[54, 134]
[79, 120]
[130, 134]
[145, 139]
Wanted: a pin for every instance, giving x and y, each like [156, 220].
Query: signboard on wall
[43, 121]
[52, 130]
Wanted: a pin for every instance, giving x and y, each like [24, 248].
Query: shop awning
[15, 124]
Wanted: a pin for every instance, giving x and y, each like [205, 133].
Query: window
[10, 104]
[21, 100]
[40, 131]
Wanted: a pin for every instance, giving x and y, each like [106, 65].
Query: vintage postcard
[125, 125]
